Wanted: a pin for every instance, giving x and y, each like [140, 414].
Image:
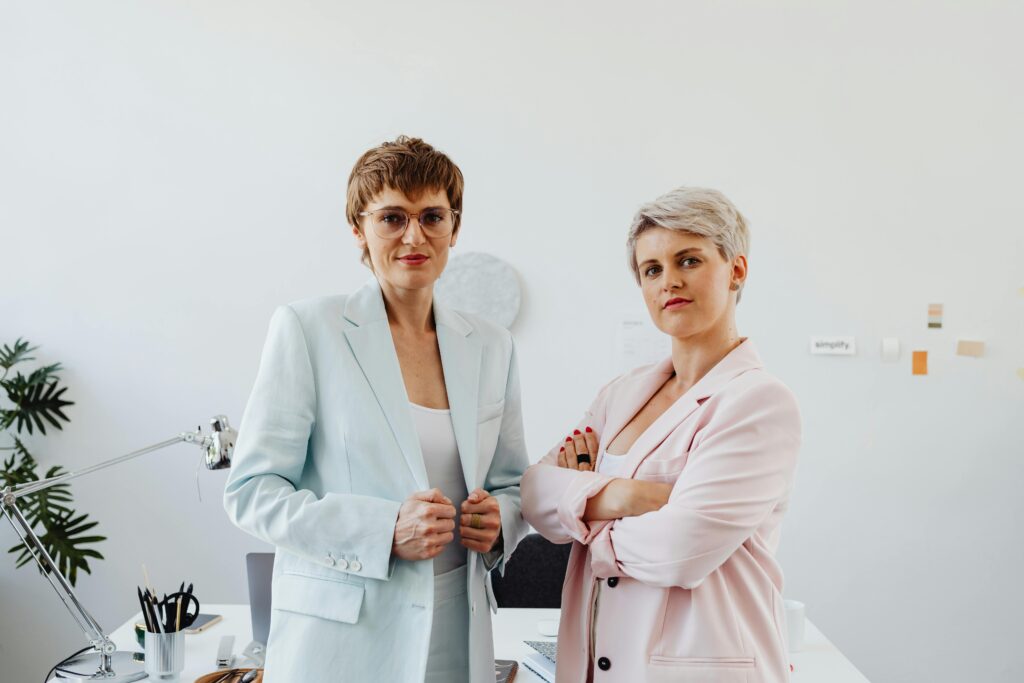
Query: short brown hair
[408, 165]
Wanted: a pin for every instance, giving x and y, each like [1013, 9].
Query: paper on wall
[935, 316]
[967, 347]
[834, 346]
[638, 342]
[890, 349]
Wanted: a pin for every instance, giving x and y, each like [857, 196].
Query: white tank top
[611, 464]
[444, 471]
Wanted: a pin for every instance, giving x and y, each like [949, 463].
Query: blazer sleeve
[554, 498]
[734, 477]
[261, 497]
[506, 471]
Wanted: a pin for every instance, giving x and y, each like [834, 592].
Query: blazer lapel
[460, 358]
[374, 350]
[741, 359]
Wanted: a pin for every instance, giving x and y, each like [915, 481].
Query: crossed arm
[738, 471]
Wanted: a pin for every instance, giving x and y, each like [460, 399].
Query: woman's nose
[414, 232]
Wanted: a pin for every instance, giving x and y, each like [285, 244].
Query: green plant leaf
[68, 537]
[35, 402]
[10, 356]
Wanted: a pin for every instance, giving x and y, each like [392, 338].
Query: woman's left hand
[480, 522]
[579, 450]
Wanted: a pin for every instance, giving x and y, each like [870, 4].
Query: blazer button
[342, 564]
[331, 561]
[355, 565]
[604, 664]
[613, 581]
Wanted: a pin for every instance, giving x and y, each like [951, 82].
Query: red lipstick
[676, 303]
[414, 259]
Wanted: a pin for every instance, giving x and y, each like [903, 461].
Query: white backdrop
[171, 171]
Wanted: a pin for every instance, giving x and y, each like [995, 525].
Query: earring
[734, 287]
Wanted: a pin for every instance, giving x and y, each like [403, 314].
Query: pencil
[149, 589]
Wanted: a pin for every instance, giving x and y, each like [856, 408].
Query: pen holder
[165, 654]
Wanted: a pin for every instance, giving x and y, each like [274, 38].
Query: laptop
[260, 568]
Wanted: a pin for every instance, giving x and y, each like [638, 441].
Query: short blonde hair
[408, 165]
[698, 211]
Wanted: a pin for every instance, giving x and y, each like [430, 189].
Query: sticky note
[967, 347]
[920, 362]
[890, 349]
[935, 316]
[1020, 372]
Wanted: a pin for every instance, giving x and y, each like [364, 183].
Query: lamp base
[124, 667]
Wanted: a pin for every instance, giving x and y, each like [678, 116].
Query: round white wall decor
[480, 284]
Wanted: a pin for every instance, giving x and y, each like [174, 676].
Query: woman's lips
[677, 303]
[414, 259]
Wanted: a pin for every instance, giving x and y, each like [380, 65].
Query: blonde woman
[673, 485]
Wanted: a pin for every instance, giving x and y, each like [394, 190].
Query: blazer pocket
[701, 669]
[662, 468]
[317, 597]
[489, 411]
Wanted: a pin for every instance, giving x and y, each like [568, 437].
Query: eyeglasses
[391, 223]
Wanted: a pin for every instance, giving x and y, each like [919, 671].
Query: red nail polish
[589, 430]
[562, 449]
[576, 432]
[568, 438]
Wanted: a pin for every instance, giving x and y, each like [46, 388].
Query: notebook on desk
[542, 662]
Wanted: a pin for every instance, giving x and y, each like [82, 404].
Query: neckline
[436, 411]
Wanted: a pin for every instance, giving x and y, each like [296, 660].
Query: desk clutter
[175, 612]
[166, 620]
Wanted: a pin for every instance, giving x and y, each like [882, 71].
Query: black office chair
[534, 574]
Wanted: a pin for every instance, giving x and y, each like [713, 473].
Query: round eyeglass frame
[408, 221]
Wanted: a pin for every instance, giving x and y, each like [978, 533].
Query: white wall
[170, 171]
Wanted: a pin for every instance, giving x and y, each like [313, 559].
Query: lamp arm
[97, 638]
[30, 487]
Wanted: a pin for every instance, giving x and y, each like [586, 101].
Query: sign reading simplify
[834, 346]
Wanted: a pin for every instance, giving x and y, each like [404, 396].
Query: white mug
[795, 617]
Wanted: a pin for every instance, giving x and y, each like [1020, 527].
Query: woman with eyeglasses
[673, 485]
[381, 451]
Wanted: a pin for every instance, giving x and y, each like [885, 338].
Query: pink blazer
[691, 592]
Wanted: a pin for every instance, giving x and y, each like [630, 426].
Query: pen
[145, 612]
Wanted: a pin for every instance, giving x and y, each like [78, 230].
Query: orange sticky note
[920, 362]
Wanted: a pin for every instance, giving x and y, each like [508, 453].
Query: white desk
[818, 662]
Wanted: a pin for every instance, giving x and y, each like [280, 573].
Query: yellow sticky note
[920, 363]
[966, 347]
[1020, 372]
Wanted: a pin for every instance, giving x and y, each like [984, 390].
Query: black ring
[582, 458]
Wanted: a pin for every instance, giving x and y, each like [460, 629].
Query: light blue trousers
[448, 658]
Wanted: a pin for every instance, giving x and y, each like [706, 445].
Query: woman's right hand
[426, 524]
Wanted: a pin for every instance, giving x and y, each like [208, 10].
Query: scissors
[170, 606]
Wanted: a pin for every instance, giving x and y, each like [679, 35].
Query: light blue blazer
[327, 451]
